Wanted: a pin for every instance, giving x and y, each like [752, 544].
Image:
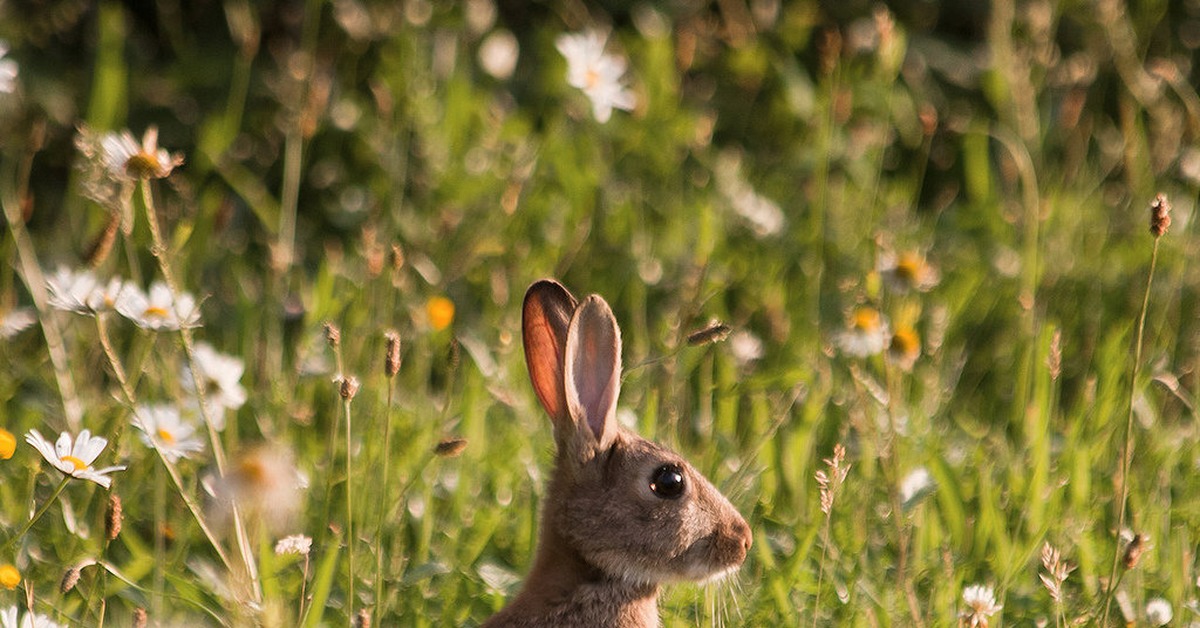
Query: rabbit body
[622, 514]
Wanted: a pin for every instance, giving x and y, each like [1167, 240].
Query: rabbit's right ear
[544, 322]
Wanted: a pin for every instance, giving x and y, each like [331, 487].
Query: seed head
[112, 517]
[1160, 215]
[450, 447]
[362, 619]
[333, 335]
[140, 618]
[714, 333]
[1134, 550]
[69, 579]
[349, 387]
[391, 363]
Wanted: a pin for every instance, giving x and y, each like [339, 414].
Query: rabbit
[622, 514]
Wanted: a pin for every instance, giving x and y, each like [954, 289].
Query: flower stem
[159, 250]
[1127, 448]
[38, 515]
[379, 545]
[349, 506]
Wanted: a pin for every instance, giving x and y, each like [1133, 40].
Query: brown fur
[607, 540]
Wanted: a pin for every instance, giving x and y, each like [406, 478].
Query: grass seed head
[391, 363]
[1160, 215]
[450, 447]
[69, 579]
[112, 517]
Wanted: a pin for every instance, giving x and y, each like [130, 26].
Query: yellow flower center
[866, 319]
[155, 311]
[143, 165]
[591, 78]
[908, 267]
[79, 464]
[905, 342]
[9, 577]
[165, 436]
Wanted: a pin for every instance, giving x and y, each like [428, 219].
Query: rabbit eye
[667, 481]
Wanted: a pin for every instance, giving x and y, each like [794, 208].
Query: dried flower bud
[397, 257]
[1054, 359]
[113, 517]
[1160, 215]
[69, 580]
[391, 363]
[333, 335]
[450, 447]
[715, 332]
[349, 387]
[1133, 552]
[362, 619]
[140, 618]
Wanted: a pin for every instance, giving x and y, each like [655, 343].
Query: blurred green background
[780, 153]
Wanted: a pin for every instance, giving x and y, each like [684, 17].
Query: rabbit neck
[564, 590]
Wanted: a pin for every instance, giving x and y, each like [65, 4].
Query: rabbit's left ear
[592, 372]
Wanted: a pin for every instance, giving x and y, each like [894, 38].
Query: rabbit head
[621, 514]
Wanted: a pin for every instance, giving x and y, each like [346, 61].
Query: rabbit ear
[544, 322]
[593, 371]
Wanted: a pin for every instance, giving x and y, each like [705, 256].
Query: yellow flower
[9, 576]
[8, 444]
[905, 347]
[440, 311]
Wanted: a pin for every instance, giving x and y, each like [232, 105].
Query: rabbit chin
[639, 575]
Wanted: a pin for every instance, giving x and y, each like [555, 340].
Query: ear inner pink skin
[545, 319]
[593, 369]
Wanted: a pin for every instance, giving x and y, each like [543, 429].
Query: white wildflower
[8, 619]
[867, 334]
[125, 157]
[81, 292]
[75, 459]
[158, 310]
[981, 604]
[163, 428]
[295, 544]
[220, 379]
[595, 72]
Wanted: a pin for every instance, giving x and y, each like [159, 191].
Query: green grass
[354, 131]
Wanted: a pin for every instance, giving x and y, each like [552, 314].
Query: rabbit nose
[742, 529]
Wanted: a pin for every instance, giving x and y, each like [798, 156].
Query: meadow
[913, 285]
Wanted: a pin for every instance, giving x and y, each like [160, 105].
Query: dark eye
[667, 481]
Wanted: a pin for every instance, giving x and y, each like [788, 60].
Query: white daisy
[162, 426]
[981, 604]
[15, 321]
[158, 310]
[8, 71]
[906, 271]
[8, 619]
[81, 292]
[75, 459]
[265, 483]
[126, 158]
[220, 376]
[598, 74]
[867, 334]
